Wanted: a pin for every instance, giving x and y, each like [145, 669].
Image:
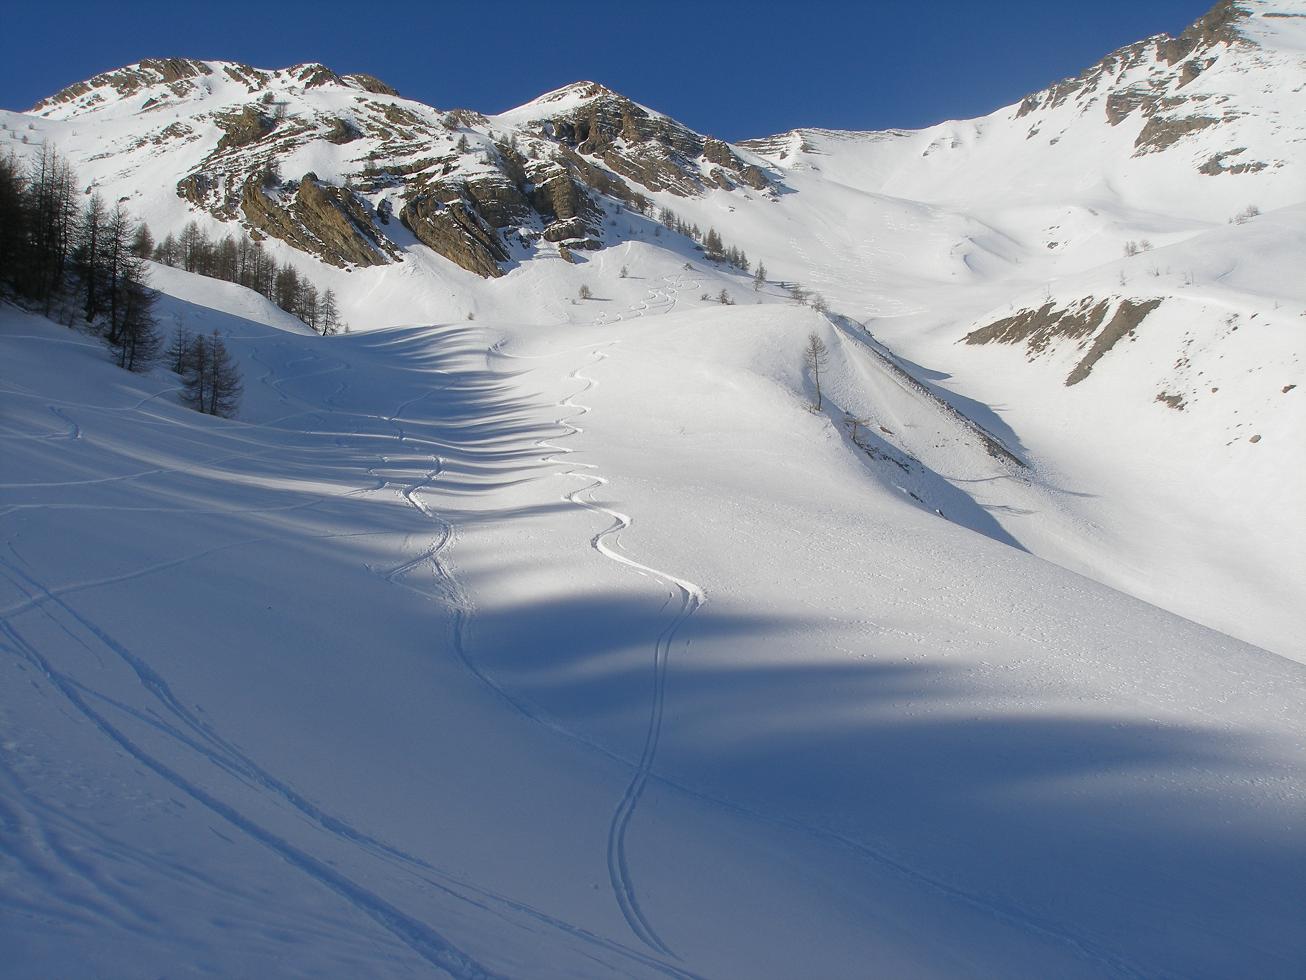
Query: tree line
[248, 264]
[88, 263]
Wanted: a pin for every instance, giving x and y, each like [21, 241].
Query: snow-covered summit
[562, 99]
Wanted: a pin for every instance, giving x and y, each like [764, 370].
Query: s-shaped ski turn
[685, 598]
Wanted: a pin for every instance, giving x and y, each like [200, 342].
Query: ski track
[685, 595]
[452, 595]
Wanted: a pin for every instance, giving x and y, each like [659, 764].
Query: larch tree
[816, 356]
[212, 381]
[136, 342]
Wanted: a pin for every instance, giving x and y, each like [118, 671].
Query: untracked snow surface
[451, 656]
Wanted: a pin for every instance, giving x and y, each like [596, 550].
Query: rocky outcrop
[1173, 63]
[1161, 132]
[1129, 314]
[464, 119]
[249, 125]
[1218, 164]
[1219, 25]
[368, 83]
[715, 151]
[446, 221]
[466, 186]
[652, 150]
[325, 221]
[556, 190]
[341, 131]
[251, 78]
[313, 75]
[1039, 329]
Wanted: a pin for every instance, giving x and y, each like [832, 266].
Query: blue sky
[734, 70]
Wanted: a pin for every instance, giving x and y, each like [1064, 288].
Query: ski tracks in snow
[684, 598]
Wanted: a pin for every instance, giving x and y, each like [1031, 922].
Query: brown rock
[325, 221]
[242, 128]
[371, 84]
[451, 227]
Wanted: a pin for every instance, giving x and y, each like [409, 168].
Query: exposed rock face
[253, 79]
[656, 152]
[464, 119]
[497, 199]
[242, 128]
[1129, 314]
[447, 222]
[719, 153]
[558, 195]
[1217, 164]
[314, 74]
[325, 221]
[1219, 25]
[1161, 132]
[370, 84]
[342, 131]
[1038, 329]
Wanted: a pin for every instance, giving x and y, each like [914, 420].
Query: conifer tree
[89, 256]
[136, 342]
[816, 356]
[180, 349]
[13, 220]
[329, 314]
[212, 381]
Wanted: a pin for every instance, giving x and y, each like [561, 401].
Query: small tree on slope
[816, 356]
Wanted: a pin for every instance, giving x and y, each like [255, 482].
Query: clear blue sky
[734, 70]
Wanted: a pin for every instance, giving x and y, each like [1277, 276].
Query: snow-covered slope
[452, 656]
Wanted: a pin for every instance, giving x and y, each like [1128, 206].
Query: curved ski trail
[684, 595]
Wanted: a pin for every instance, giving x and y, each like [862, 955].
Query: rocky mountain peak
[175, 73]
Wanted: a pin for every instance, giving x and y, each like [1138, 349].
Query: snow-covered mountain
[538, 635]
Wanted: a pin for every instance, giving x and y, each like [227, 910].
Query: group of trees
[248, 263]
[87, 263]
[714, 249]
[806, 297]
[211, 380]
[80, 262]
